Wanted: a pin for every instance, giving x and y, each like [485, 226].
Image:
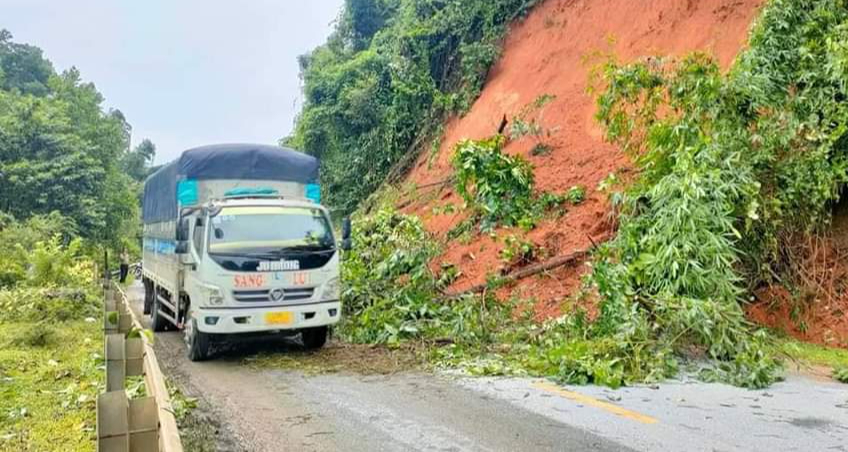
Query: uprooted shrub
[500, 188]
[727, 162]
[391, 294]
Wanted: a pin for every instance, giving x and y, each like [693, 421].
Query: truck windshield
[269, 230]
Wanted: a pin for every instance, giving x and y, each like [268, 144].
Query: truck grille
[279, 295]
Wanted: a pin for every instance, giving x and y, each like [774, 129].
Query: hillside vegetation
[69, 186]
[732, 167]
[387, 77]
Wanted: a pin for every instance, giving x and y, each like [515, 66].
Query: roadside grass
[197, 431]
[836, 359]
[50, 376]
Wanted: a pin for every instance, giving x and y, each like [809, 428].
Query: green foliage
[815, 354]
[498, 187]
[576, 194]
[59, 151]
[44, 276]
[523, 124]
[391, 294]
[380, 87]
[841, 374]
[182, 405]
[27, 304]
[518, 251]
[23, 67]
[137, 163]
[51, 376]
[35, 335]
[727, 162]
[520, 128]
[55, 265]
[39, 250]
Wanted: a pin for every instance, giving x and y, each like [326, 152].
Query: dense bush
[391, 293]
[30, 304]
[500, 189]
[728, 162]
[44, 274]
[497, 186]
[385, 80]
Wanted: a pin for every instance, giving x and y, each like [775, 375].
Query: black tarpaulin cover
[223, 161]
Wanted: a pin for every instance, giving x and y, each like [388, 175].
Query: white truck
[236, 242]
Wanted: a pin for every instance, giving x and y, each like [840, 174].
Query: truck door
[193, 272]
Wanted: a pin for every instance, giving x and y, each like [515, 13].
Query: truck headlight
[213, 294]
[331, 289]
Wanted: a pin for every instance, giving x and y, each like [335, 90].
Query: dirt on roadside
[337, 357]
[202, 429]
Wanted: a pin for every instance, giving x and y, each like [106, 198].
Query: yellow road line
[586, 400]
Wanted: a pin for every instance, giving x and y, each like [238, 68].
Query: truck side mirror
[181, 248]
[182, 230]
[346, 228]
[346, 244]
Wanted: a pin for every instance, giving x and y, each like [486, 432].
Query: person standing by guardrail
[125, 264]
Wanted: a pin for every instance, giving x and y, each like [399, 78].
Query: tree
[23, 66]
[386, 78]
[137, 163]
[60, 151]
[362, 19]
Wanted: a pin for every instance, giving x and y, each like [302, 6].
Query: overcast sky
[184, 72]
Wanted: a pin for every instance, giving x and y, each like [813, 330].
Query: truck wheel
[148, 297]
[314, 338]
[198, 343]
[157, 322]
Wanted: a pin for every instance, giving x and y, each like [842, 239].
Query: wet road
[259, 409]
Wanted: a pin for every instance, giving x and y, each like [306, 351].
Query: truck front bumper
[267, 319]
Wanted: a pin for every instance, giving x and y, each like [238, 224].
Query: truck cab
[239, 255]
[258, 265]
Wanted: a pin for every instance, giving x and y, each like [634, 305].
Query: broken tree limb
[531, 270]
[449, 180]
[409, 201]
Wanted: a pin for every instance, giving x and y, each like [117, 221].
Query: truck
[237, 243]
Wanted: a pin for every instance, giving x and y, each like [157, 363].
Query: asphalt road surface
[258, 409]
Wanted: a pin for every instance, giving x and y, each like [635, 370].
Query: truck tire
[157, 322]
[199, 344]
[314, 338]
[148, 296]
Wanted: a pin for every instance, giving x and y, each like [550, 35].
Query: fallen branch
[440, 184]
[449, 180]
[531, 270]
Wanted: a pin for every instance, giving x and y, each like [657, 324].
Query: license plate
[279, 318]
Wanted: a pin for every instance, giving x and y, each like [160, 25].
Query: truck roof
[238, 161]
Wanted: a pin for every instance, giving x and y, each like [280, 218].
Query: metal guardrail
[145, 424]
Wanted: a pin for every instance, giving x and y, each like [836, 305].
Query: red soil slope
[817, 309]
[545, 54]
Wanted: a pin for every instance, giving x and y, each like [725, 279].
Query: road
[266, 409]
